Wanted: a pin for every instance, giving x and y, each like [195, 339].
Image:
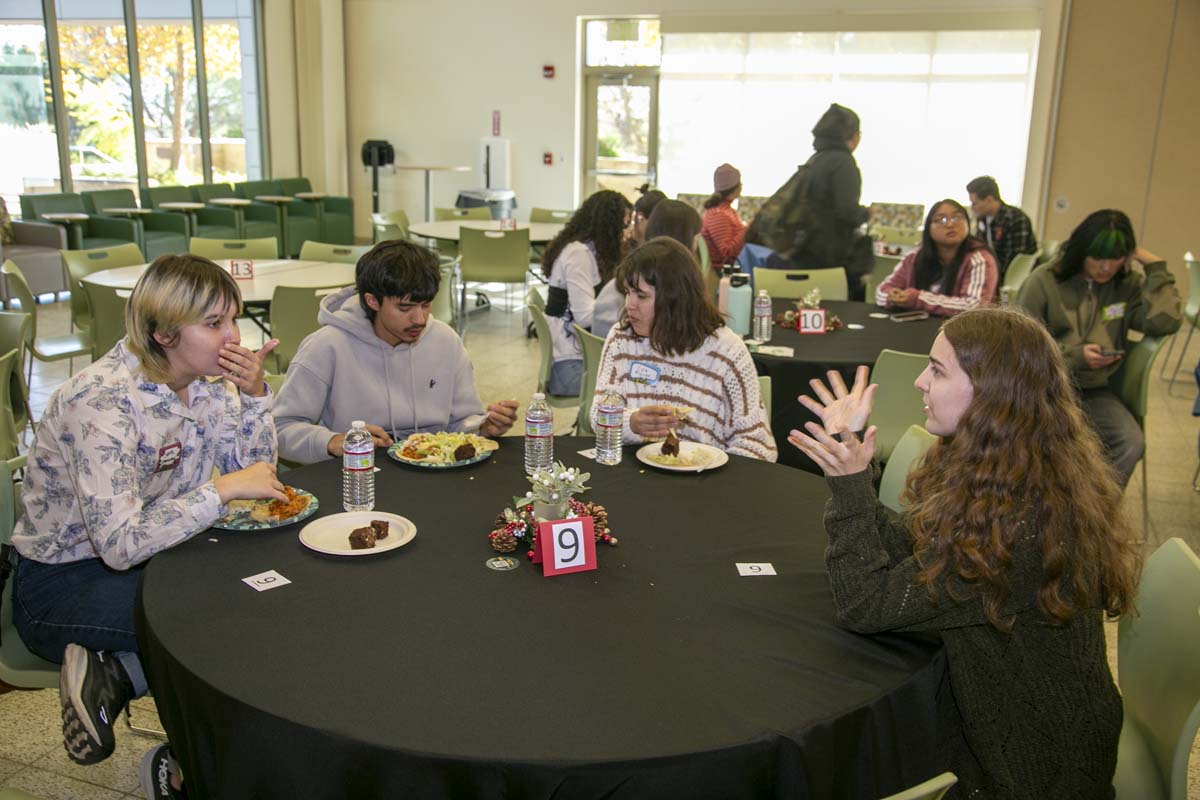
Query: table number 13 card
[567, 545]
[242, 269]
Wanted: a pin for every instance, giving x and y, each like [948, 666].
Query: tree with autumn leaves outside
[98, 91]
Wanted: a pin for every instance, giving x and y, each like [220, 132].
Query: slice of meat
[670, 447]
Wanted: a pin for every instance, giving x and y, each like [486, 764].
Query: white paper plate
[331, 534]
[713, 457]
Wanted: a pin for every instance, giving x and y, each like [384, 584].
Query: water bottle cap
[358, 423]
[763, 293]
[539, 396]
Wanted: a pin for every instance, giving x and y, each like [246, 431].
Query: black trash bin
[501, 202]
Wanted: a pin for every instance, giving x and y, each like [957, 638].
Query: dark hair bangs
[1108, 244]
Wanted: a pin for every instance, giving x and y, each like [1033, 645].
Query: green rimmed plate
[239, 519]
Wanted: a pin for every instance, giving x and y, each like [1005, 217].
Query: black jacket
[835, 186]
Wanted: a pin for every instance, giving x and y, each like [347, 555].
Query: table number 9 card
[567, 545]
[812, 320]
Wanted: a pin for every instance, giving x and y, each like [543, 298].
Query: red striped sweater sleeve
[724, 233]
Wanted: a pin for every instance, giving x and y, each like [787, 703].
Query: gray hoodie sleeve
[466, 410]
[298, 409]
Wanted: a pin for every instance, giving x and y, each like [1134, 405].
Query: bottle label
[359, 461]
[539, 430]
[610, 417]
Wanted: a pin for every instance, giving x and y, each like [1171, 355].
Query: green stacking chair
[933, 789]
[95, 231]
[255, 221]
[1049, 250]
[560, 216]
[593, 348]
[81, 263]
[14, 331]
[1132, 384]
[217, 249]
[44, 348]
[898, 404]
[9, 366]
[905, 455]
[294, 316]
[1191, 314]
[108, 321]
[884, 267]
[388, 225]
[443, 302]
[764, 390]
[450, 249]
[209, 222]
[299, 221]
[492, 257]
[792, 284]
[1018, 270]
[545, 353]
[340, 253]
[336, 213]
[159, 232]
[1158, 648]
[18, 666]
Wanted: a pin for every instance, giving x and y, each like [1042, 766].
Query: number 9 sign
[567, 545]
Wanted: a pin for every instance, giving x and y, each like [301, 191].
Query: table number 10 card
[567, 545]
[242, 269]
[812, 320]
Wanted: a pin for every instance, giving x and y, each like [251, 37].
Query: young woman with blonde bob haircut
[122, 468]
[1011, 546]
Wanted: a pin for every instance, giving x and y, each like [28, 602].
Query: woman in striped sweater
[672, 351]
[951, 271]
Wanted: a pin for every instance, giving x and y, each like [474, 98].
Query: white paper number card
[812, 320]
[567, 545]
[764, 568]
[242, 269]
[266, 580]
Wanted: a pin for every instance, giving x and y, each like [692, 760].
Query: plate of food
[258, 515]
[442, 450]
[675, 455]
[357, 533]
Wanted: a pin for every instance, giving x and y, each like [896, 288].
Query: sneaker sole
[81, 739]
[147, 776]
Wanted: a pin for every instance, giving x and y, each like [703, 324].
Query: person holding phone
[1089, 298]
[1011, 548]
[951, 271]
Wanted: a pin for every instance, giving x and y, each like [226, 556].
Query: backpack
[787, 221]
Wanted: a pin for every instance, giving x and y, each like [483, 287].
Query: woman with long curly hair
[1011, 546]
[580, 260]
[951, 271]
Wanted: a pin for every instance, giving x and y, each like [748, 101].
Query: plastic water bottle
[539, 435]
[762, 317]
[358, 468]
[610, 427]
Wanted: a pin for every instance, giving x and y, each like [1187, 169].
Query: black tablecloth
[816, 354]
[421, 673]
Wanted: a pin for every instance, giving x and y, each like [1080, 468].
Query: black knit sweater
[1029, 713]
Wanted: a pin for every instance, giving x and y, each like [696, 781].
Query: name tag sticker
[641, 372]
[812, 320]
[266, 580]
[763, 568]
[1115, 311]
[567, 545]
[168, 457]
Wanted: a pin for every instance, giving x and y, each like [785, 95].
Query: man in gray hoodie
[379, 356]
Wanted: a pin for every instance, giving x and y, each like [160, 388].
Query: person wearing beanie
[722, 228]
[833, 193]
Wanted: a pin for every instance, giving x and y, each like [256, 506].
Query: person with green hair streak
[1089, 298]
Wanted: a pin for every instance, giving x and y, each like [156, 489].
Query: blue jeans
[1118, 430]
[81, 602]
[565, 377]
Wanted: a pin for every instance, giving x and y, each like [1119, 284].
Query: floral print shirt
[120, 468]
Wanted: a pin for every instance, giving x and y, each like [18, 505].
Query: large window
[937, 108]
[26, 116]
[100, 92]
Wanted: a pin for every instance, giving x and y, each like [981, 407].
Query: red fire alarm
[548, 71]
[548, 159]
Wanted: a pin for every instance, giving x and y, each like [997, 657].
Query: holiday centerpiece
[551, 497]
[810, 299]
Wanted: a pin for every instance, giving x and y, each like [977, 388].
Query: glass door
[621, 146]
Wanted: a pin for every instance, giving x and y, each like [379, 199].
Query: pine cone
[503, 541]
[499, 522]
[599, 518]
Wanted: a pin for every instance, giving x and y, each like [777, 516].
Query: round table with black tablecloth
[816, 354]
[419, 672]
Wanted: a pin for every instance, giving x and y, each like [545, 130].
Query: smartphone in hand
[1104, 351]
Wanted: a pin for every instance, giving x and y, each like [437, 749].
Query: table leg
[429, 195]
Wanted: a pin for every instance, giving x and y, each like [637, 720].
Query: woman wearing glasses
[951, 271]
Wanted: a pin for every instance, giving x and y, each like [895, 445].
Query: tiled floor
[31, 753]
